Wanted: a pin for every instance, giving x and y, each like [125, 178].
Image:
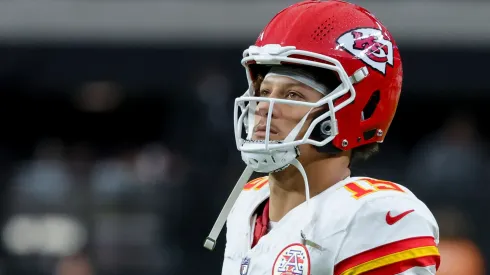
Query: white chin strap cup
[270, 161]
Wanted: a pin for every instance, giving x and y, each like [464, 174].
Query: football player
[325, 79]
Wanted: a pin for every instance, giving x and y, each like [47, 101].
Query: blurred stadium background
[117, 148]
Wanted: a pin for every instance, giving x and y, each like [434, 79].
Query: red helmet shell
[356, 38]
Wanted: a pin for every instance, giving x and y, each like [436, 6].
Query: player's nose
[264, 106]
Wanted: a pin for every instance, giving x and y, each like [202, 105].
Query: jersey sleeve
[388, 236]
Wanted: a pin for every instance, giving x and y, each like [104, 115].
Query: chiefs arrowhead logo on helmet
[370, 46]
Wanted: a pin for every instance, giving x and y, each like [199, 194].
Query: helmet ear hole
[369, 134]
[368, 112]
[371, 105]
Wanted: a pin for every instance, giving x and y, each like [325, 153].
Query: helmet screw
[379, 133]
[345, 143]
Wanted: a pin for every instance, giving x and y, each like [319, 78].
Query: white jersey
[357, 226]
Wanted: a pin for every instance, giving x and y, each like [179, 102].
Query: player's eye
[263, 93]
[294, 96]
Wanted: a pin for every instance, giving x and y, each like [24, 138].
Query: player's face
[284, 116]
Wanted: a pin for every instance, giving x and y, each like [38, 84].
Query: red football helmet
[337, 36]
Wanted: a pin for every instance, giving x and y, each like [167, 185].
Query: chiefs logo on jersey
[292, 260]
[370, 46]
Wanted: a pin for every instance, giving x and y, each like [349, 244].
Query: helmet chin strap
[302, 171]
[210, 242]
[309, 210]
[294, 133]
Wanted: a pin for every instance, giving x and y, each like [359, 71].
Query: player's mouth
[260, 131]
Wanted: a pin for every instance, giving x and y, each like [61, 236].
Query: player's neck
[287, 187]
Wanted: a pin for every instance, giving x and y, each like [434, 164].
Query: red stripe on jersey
[381, 251]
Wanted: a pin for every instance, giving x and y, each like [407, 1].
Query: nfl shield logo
[244, 266]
